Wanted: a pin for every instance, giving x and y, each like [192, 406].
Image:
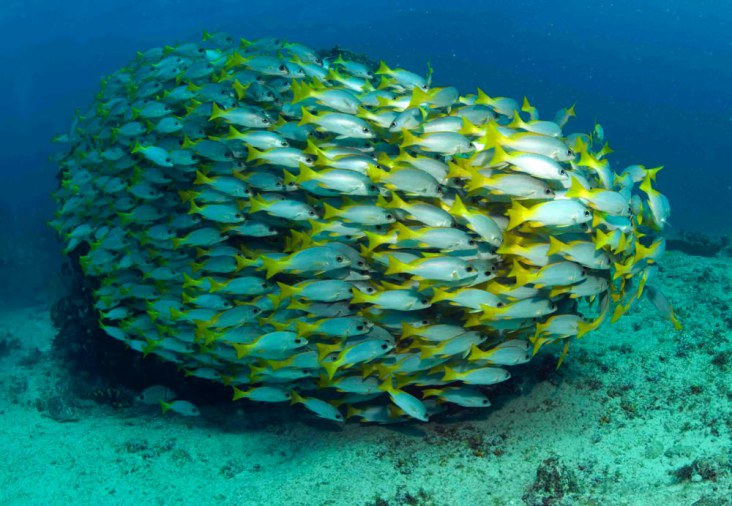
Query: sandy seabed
[637, 414]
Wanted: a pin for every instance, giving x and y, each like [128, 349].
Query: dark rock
[696, 243]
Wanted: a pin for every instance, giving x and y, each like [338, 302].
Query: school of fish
[349, 239]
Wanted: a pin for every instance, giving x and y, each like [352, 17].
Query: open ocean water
[638, 413]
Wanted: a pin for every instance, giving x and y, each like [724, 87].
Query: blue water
[657, 76]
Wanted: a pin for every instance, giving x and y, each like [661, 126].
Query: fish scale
[365, 234]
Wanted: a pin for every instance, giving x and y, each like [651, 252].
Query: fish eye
[562, 172]
[389, 217]
[485, 402]
[393, 124]
[256, 310]
[425, 301]
[167, 160]
[360, 328]
[201, 50]
[424, 323]
[487, 273]
[283, 68]
[588, 214]
[469, 269]
[570, 152]
[471, 242]
[339, 259]
[425, 87]
[384, 346]
[548, 191]
[238, 216]
[311, 213]
[284, 144]
[373, 187]
[309, 159]
[365, 130]
[500, 305]
[299, 340]
[370, 290]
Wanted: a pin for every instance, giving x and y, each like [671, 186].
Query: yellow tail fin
[517, 215]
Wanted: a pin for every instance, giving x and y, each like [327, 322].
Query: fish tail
[404, 233]
[330, 211]
[383, 69]
[306, 174]
[555, 246]
[409, 139]
[194, 208]
[476, 353]
[576, 190]
[330, 369]
[253, 154]
[240, 89]
[431, 392]
[189, 281]
[257, 204]
[458, 207]
[499, 154]
[449, 375]
[216, 112]
[241, 349]
[439, 295]
[419, 97]
[239, 394]
[482, 98]
[326, 349]
[517, 215]
[517, 122]
[395, 266]
[287, 291]
[300, 91]
[233, 133]
[358, 297]
[271, 266]
[307, 117]
[217, 286]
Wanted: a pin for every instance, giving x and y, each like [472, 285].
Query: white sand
[633, 403]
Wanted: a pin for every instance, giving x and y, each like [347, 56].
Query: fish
[319, 229]
[181, 407]
[152, 395]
